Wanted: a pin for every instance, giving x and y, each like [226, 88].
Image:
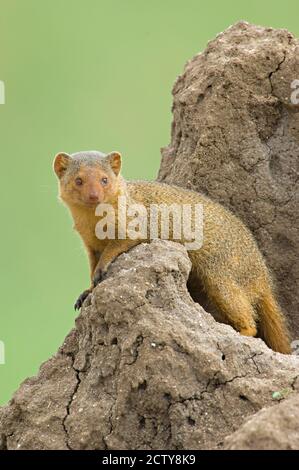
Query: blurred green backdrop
[83, 75]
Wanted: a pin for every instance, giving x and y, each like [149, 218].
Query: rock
[235, 137]
[145, 368]
[274, 428]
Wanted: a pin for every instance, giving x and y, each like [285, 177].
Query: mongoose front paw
[98, 277]
[81, 299]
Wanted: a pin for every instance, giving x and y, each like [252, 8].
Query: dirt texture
[235, 137]
[146, 368]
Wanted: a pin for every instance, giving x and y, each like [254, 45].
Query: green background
[80, 75]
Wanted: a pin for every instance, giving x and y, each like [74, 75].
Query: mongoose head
[88, 178]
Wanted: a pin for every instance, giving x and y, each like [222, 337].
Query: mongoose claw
[81, 299]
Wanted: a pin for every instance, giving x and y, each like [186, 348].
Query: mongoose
[228, 266]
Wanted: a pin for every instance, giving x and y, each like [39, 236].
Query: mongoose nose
[93, 197]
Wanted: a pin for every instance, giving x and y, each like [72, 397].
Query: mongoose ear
[61, 163]
[114, 159]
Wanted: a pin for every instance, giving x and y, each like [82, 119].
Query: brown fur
[229, 268]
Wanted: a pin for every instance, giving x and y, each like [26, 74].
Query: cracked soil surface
[148, 370]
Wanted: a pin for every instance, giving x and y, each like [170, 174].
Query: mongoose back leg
[234, 305]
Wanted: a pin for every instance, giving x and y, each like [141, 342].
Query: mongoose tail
[272, 325]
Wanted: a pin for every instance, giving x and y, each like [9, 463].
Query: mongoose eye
[104, 181]
[78, 181]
